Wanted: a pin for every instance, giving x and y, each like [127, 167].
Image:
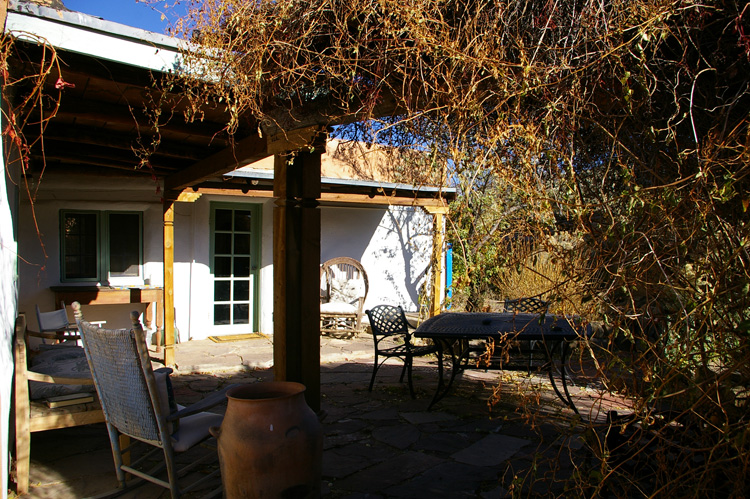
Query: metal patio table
[452, 332]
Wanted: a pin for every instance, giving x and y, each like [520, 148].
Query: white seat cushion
[194, 429]
[337, 307]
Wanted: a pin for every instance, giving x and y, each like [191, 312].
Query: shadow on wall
[413, 228]
[347, 231]
[394, 245]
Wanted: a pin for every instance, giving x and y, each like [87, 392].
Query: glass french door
[235, 255]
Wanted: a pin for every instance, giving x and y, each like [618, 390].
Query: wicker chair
[390, 331]
[138, 405]
[343, 289]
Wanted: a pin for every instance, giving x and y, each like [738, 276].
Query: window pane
[223, 266]
[242, 220]
[241, 314]
[80, 241]
[223, 243]
[221, 290]
[223, 219]
[242, 244]
[221, 314]
[241, 266]
[241, 290]
[124, 244]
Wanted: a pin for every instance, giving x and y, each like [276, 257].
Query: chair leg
[408, 365]
[169, 458]
[23, 450]
[532, 346]
[114, 441]
[375, 367]
[403, 371]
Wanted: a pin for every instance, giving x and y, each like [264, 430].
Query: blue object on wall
[449, 274]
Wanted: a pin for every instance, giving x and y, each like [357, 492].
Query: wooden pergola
[103, 113]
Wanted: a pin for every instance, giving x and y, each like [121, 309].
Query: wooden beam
[294, 140]
[435, 209]
[337, 199]
[3, 13]
[437, 263]
[296, 269]
[250, 148]
[98, 155]
[331, 198]
[112, 139]
[78, 109]
[236, 192]
[168, 209]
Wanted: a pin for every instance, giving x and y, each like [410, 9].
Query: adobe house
[87, 219]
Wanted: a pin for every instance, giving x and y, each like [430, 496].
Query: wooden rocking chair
[343, 289]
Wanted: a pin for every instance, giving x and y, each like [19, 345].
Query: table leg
[440, 348]
[564, 376]
[567, 399]
[458, 349]
[148, 315]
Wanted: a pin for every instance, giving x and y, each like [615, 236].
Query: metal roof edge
[349, 182]
[77, 32]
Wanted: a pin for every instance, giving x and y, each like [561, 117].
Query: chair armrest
[52, 336]
[60, 380]
[215, 398]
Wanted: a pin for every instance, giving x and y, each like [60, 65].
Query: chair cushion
[346, 290]
[337, 307]
[166, 396]
[59, 360]
[194, 429]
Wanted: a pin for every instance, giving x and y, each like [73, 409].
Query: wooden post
[296, 264]
[168, 207]
[438, 212]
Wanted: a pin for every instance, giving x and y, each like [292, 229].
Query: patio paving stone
[377, 444]
[351, 458]
[402, 467]
[385, 414]
[427, 417]
[447, 479]
[491, 450]
[398, 436]
[445, 442]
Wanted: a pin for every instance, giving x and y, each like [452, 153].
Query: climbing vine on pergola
[617, 127]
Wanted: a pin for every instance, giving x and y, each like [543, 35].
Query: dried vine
[612, 135]
[27, 104]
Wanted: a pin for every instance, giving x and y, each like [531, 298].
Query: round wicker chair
[343, 289]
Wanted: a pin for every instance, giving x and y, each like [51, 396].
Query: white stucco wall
[393, 243]
[8, 303]
[39, 267]
[193, 278]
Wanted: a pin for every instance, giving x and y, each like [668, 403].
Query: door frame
[256, 228]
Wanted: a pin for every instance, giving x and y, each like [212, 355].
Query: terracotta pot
[270, 442]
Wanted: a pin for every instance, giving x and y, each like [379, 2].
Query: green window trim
[92, 250]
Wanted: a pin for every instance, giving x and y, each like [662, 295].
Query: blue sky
[129, 12]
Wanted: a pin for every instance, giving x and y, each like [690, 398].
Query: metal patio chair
[56, 322]
[138, 405]
[531, 305]
[390, 332]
